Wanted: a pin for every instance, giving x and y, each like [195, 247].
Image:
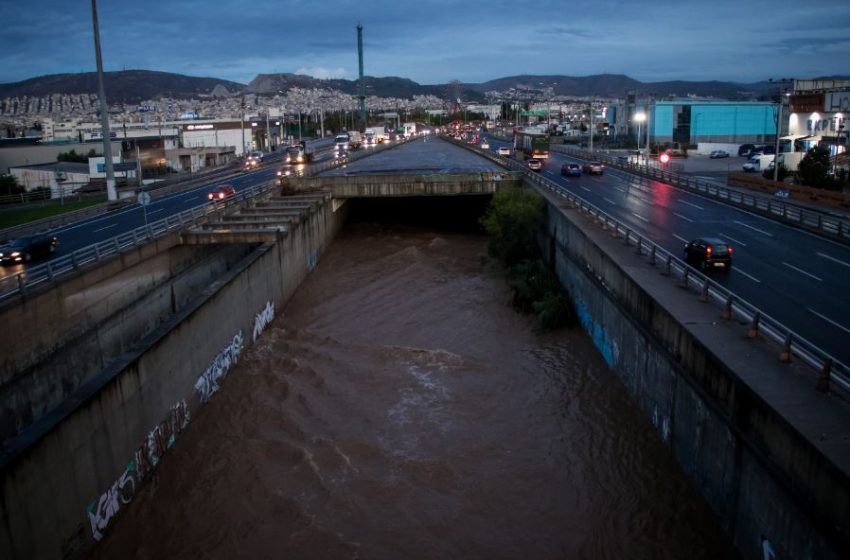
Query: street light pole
[111, 191]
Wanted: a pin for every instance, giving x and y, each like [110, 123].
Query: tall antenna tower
[361, 87]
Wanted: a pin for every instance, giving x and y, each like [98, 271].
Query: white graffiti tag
[262, 320]
[208, 383]
[110, 502]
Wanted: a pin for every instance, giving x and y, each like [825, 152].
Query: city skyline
[432, 42]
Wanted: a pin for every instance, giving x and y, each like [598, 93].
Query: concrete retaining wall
[64, 334]
[64, 488]
[703, 383]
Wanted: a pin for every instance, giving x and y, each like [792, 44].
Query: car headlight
[15, 254]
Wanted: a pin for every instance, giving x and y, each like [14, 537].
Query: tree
[813, 170]
[9, 185]
[75, 157]
[512, 220]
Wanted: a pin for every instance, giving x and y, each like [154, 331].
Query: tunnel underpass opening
[447, 213]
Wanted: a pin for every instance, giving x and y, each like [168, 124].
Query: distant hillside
[616, 85]
[131, 86]
[128, 86]
[381, 87]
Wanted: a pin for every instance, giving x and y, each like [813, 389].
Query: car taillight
[729, 250]
[708, 249]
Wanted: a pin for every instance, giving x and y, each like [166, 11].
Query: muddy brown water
[399, 408]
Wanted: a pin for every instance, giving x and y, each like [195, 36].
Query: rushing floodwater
[398, 408]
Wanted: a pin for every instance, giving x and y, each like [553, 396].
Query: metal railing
[824, 223]
[831, 371]
[20, 282]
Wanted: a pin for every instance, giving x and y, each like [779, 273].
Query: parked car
[504, 151]
[708, 253]
[485, 145]
[593, 168]
[24, 249]
[571, 170]
[746, 149]
[534, 164]
[221, 192]
[718, 154]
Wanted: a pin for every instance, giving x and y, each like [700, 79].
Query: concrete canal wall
[66, 476]
[742, 425]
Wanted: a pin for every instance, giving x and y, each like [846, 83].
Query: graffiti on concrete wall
[161, 438]
[147, 456]
[312, 259]
[262, 320]
[601, 339]
[208, 383]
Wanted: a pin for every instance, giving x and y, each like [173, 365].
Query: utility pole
[781, 82]
[591, 125]
[111, 191]
[268, 132]
[242, 124]
[361, 87]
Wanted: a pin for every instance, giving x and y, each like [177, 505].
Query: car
[752, 165]
[593, 168]
[251, 164]
[221, 192]
[24, 249]
[746, 149]
[504, 151]
[485, 145]
[708, 253]
[718, 154]
[571, 169]
[534, 164]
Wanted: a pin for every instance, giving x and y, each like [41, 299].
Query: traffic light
[664, 158]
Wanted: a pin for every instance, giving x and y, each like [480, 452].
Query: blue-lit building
[691, 122]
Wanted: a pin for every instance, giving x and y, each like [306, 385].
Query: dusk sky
[432, 41]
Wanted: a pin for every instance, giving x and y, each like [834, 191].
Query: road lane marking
[833, 259]
[680, 238]
[639, 217]
[741, 243]
[828, 320]
[683, 217]
[609, 201]
[801, 271]
[155, 211]
[753, 228]
[697, 206]
[104, 228]
[750, 276]
[585, 188]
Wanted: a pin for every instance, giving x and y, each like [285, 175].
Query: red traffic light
[664, 158]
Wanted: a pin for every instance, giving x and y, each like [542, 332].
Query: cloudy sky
[432, 41]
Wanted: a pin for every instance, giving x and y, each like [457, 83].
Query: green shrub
[512, 220]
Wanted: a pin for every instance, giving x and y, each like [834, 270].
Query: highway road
[797, 278]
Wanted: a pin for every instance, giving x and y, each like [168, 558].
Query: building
[62, 178]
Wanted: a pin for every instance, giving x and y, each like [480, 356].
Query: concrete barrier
[748, 429]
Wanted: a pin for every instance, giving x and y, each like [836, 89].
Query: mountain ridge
[130, 86]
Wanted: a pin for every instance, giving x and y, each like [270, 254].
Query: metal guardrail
[20, 282]
[831, 371]
[823, 223]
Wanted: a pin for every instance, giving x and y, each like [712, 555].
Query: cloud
[324, 73]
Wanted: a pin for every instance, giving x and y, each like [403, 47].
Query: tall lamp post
[111, 191]
[639, 118]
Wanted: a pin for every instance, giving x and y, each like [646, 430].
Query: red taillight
[708, 249]
[729, 250]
